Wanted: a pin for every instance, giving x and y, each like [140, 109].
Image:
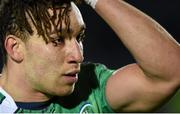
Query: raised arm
[156, 76]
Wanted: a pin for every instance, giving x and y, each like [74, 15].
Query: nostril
[76, 59]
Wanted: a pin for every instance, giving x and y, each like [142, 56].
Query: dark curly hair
[13, 18]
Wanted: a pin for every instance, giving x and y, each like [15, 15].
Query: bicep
[130, 90]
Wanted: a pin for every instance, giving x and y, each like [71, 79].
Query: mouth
[72, 73]
[71, 77]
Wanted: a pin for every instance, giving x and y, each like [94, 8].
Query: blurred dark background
[102, 45]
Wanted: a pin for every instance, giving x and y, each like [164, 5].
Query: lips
[72, 73]
[71, 77]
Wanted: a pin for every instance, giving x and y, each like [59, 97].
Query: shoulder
[97, 68]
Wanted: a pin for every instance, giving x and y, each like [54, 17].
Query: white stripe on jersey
[8, 105]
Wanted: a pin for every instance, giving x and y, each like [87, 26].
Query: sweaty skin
[47, 70]
[61, 61]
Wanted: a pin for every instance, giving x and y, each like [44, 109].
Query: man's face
[53, 69]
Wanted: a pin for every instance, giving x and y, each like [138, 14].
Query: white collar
[8, 105]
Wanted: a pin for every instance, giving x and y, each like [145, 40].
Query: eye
[58, 41]
[80, 37]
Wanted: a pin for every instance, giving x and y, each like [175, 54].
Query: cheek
[44, 59]
[43, 66]
[46, 53]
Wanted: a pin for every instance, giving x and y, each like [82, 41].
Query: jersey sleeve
[103, 73]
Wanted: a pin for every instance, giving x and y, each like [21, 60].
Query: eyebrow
[64, 31]
[81, 29]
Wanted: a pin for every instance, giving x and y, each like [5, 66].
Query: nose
[75, 51]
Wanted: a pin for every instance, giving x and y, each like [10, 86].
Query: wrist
[92, 3]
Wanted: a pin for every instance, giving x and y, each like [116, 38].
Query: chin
[65, 91]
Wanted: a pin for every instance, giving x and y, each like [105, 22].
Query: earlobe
[13, 48]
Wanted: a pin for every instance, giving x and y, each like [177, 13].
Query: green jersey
[88, 96]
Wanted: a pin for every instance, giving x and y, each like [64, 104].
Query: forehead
[57, 20]
[77, 14]
[74, 17]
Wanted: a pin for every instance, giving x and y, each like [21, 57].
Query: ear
[13, 47]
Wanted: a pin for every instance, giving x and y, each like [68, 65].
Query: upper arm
[130, 90]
